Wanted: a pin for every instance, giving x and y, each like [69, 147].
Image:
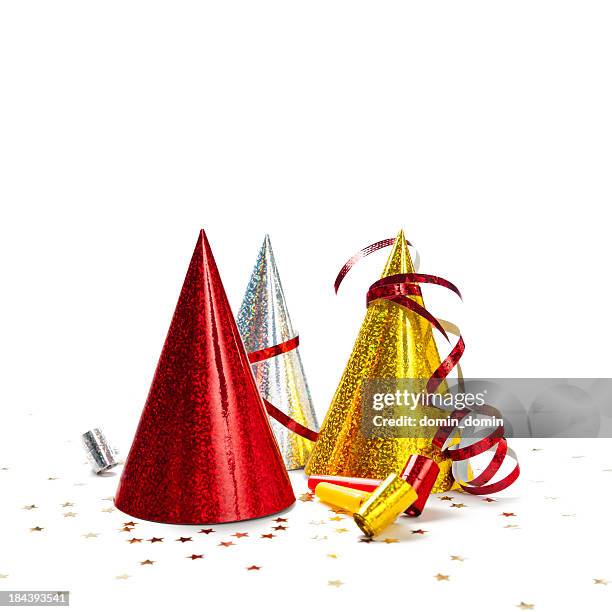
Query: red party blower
[203, 451]
[419, 472]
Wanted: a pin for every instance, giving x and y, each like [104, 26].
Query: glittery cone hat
[393, 342]
[263, 321]
[203, 451]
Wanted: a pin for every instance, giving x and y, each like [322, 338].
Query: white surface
[482, 128]
[559, 545]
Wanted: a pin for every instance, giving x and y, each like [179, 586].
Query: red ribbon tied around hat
[272, 410]
[451, 439]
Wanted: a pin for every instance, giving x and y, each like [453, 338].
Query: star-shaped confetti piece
[130, 524]
[335, 583]
[457, 558]
[332, 555]
[446, 498]
[441, 577]
[306, 497]
[206, 531]
[253, 568]
[70, 514]
[279, 528]
[419, 531]
[510, 526]
[341, 530]
[366, 539]
[147, 562]
[600, 581]
[122, 577]
[37, 528]
[134, 540]
[155, 540]
[507, 514]
[525, 606]
[244, 534]
[30, 507]
[127, 529]
[194, 557]
[390, 540]
[183, 540]
[108, 510]
[458, 505]
[67, 505]
[336, 518]
[226, 544]
[268, 536]
[489, 500]
[280, 520]
[90, 535]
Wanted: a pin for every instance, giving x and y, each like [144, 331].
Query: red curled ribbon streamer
[272, 410]
[397, 288]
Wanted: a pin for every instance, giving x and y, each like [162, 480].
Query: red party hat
[203, 451]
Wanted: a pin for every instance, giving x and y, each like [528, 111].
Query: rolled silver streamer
[100, 453]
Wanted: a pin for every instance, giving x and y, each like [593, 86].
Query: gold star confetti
[525, 606]
[155, 540]
[336, 518]
[130, 524]
[441, 577]
[67, 505]
[244, 534]
[36, 528]
[147, 562]
[122, 577]
[183, 540]
[268, 536]
[126, 529]
[446, 498]
[70, 514]
[510, 526]
[226, 544]
[30, 507]
[134, 540]
[206, 531]
[90, 535]
[458, 505]
[332, 555]
[600, 581]
[335, 583]
[306, 497]
[341, 530]
[194, 557]
[419, 531]
[252, 568]
[457, 558]
[390, 540]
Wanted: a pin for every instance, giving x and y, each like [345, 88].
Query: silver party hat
[263, 321]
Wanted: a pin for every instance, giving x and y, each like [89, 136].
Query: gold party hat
[393, 342]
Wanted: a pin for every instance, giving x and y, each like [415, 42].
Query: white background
[481, 128]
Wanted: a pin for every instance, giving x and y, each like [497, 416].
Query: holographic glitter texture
[263, 321]
[393, 342]
[203, 451]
